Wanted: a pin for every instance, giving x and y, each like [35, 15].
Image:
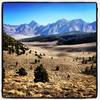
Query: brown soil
[67, 82]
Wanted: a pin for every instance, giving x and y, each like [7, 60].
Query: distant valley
[66, 38]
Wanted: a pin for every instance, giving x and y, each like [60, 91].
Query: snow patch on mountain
[59, 27]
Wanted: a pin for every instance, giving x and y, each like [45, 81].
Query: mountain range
[61, 26]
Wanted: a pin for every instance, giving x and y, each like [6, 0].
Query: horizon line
[48, 23]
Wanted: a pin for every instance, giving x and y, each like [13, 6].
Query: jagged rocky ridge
[59, 27]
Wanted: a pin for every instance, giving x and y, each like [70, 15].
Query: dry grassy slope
[60, 85]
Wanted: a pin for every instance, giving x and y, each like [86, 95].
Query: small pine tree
[84, 61]
[43, 54]
[90, 58]
[21, 72]
[35, 61]
[51, 57]
[76, 58]
[68, 76]
[30, 51]
[30, 67]
[39, 56]
[23, 51]
[93, 57]
[94, 60]
[36, 54]
[38, 60]
[17, 49]
[87, 70]
[16, 63]
[17, 52]
[40, 74]
[57, 68]
[91, 66]
[12, 49]
[35, 51]
[9, 51]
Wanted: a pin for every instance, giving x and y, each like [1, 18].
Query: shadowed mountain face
[61, 26]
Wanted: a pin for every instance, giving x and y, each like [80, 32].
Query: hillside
[7, 40]
[11, 45]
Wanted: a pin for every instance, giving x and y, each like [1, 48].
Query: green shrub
[9, 51]
[23, 51]
[35, 51]
[51, 57]
[76, 58]
[30, 51]
[94, 59]
[30, 67]
[36, 54]
[40, 74]
[86, 70]
[35, 61]
[26, 48]
[43, 54]
[84, 61]
[90, 58]
[92, 66]
[68, 76]
[17, 51]
[38, 60]
[16, 63]
[17, 47]
[39, 56]
[57, 68]
[21, 72]
[90, 71]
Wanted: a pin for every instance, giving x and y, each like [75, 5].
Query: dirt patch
[66, 82]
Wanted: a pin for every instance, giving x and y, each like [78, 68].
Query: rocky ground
[68, 81]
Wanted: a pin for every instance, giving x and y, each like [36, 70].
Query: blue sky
[44, 13]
